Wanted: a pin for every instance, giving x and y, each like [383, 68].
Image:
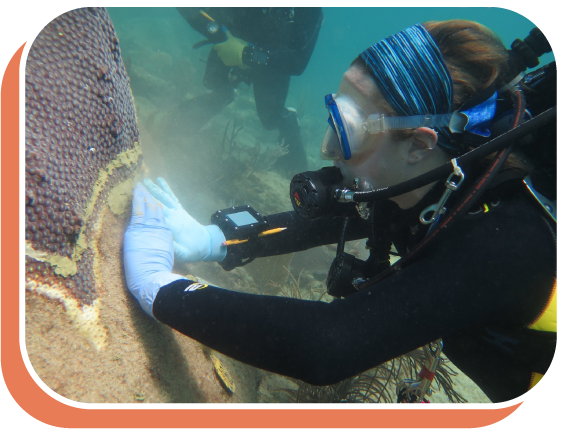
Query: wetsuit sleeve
[300, 235]
[482, 272]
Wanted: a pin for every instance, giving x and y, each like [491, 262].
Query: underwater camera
[241, 223]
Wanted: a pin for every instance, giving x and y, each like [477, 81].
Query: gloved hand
[148, 254]
[230, 51]
[193, 242]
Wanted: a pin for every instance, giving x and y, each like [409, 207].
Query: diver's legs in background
[270, 92]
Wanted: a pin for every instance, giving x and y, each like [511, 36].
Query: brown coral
[81, 140]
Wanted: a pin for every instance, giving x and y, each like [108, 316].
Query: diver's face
[384, 161]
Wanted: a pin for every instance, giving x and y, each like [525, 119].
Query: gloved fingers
[138, 205]
[162, 183]
[159, 194]
[154, 214]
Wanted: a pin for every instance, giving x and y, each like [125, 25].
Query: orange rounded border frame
[40, 405]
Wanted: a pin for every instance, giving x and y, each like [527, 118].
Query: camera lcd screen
[242, 218]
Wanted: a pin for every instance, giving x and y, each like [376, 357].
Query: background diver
[259, 46]
[480, 274]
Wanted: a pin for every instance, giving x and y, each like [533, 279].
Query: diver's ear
[422, 143]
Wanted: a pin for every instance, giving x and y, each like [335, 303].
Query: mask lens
[330, 148]
[347, 123]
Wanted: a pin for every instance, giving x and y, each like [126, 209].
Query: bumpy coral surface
[81, 140]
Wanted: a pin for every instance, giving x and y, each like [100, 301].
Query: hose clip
[451, 186]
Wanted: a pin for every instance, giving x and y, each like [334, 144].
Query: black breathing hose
[342, 241]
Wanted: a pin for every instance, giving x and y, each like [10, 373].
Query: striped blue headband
[409, 70]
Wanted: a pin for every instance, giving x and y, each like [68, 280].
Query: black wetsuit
[289, 35]
[477, 288]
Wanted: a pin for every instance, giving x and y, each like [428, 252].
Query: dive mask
[350, 126]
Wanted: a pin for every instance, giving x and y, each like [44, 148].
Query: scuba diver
[259, 46]
[433, 133]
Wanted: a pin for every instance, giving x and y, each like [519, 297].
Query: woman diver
[484, 284]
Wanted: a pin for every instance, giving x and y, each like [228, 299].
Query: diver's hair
[476, 58]
[474, 55]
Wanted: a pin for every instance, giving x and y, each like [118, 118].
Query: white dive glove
[193, 242]
[148, 254]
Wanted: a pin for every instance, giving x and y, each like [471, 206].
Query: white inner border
[542, 399]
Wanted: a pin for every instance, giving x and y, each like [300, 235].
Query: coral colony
[81, 140]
